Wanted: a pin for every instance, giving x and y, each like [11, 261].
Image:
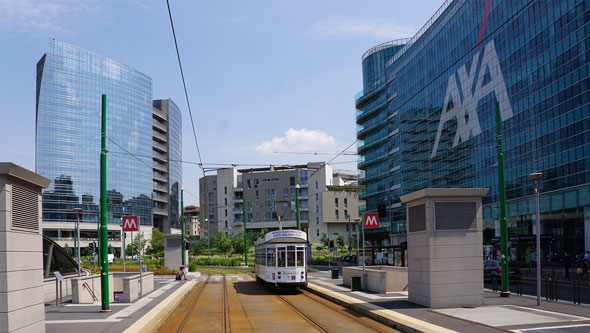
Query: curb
[151, 320]
[390, 318]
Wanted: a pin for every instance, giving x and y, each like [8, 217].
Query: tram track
[192, 305]
[301, 314]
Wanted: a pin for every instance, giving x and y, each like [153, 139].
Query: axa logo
[465, 109]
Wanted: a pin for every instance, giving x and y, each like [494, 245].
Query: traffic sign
[349, 248]
[319, 248]
[371, 220]
[130, 223]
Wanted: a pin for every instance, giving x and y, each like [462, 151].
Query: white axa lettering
[469, 127]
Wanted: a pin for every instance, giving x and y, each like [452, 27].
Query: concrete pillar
[445, 242]
[21, 250]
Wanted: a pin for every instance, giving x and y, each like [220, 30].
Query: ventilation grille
[417, 218]
[25, 209]
[455, 215]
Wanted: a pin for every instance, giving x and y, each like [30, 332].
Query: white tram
[280, 259]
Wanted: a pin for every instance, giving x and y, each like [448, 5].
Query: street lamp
[208, 236]
[349, 240]
[536, 178]
[77, 235]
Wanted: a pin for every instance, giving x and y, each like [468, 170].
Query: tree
[198, 245]
[237, 242]
[224, 244]
[157, 242]
[324, 240]
[133, 247]
[340, 241]
[352, 240]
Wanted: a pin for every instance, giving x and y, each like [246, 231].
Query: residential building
[70, 82]
[427, 118]
[167, 165]
[269, 194]
[191, 220]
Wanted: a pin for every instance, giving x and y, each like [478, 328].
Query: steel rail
[303, 315]
[226, 322]
[327, 304]
[192, 306]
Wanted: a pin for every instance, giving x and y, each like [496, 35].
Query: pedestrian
[567, 263]
[587, 255]
[183, 271]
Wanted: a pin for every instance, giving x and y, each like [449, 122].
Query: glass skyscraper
[70, 82]
[428, 120]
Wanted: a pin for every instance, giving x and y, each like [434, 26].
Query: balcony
[159, 177]
[237, 200]
[238, 189]
[162, 158]
[158, 126]
[159, 197]
[238, 222]
[363, 115]
[160, 188]
[238, 211]
[159, 147]
[160, 211]
[160, 167]
[159, 115]
[159, 136]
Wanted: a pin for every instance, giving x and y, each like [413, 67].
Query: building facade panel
[70, 82]
[531, 57]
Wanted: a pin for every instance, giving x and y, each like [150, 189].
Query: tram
[280, 259]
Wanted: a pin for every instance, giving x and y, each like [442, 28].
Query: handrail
[382, 46]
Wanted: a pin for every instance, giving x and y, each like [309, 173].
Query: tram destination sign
[285, 234]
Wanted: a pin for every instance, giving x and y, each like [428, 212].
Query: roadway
[237, 303]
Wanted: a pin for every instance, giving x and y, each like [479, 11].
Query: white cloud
[40, 15]
[302, 140]
[350, 26]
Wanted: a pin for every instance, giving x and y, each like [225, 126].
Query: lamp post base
[505, 294]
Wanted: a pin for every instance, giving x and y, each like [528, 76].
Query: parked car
[493, 268]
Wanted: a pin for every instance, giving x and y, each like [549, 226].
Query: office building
[269, 196]
[167, 165]
[70, 82]
[427, 118]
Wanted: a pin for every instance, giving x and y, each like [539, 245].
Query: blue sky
[262, 76]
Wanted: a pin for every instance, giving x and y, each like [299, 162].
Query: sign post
[371, 220]
[131, 223]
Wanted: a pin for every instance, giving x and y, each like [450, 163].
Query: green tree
[198, 245]
[157, 241]
[237, 241]
[324, 240]
[224, 244]
[340, 241]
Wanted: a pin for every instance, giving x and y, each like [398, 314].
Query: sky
[262, 76]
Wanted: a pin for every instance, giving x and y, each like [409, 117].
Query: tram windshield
[300, 257]
[282, 257]
[290, 256]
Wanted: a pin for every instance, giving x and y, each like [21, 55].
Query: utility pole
[182, 225]
[297, 206]
[103, 238]
[245, 236]
[503, 223]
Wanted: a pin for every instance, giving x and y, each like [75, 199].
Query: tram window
[282, 259]
[273, 258]
[269, 257]
[290, 256]
[300, 257]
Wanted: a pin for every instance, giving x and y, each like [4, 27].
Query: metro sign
[130, 223]
[371, 220]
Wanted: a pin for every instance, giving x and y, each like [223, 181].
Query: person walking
[585, 268]
[567, 264]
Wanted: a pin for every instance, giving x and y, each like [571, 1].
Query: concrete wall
[172, 254]
[21, 250]
[131, 286]
[80, 295]
[381, 279]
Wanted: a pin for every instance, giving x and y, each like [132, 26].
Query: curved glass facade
[70, 82]
[530, 56]
[174, 163]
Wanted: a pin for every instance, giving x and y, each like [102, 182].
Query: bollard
[556, 289]
[494, 284]
[56, 292]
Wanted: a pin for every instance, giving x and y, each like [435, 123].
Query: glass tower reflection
[70, 82]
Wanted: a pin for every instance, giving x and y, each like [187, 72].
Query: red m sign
[371, 220]
[130, 223]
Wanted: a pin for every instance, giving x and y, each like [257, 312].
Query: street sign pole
[104, 263]
[503, 222]
[245, 235]
[124, 254]
[183, 247]
[140, 253]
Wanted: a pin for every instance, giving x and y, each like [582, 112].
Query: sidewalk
[88, 318]
[512, 314]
